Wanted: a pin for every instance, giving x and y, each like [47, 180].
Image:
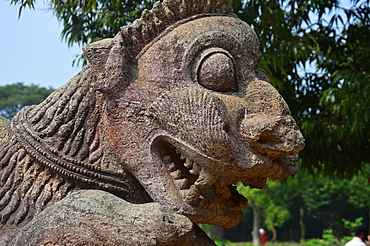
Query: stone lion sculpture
[5, 130]
[150, 138]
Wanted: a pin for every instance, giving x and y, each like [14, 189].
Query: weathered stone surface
[5, 130]
[93, 217]
[170, 113]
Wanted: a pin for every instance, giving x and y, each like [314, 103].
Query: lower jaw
[221, 212]
[226, 218]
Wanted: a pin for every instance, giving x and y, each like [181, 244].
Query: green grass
[328, 239]
[227, 243]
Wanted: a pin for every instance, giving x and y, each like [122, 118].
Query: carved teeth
[190, 196]
[205, 179]
[182, 184]
[195, 170]
[172, 167]
[176, 174]
[193, 193]
[166, 159]
[188, 163]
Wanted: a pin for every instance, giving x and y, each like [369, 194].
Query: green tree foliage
[14, 97]
[304, 206]
[270, 206]
[315, 52]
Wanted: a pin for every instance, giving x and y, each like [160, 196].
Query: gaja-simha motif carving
[169, 114]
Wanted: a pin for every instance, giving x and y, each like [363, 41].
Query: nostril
[265, 137]
[272, 136]
[268, 137]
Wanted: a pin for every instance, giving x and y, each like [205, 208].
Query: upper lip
[204, 170]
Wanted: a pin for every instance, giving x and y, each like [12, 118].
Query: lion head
[189, 113]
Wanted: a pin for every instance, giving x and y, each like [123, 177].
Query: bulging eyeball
[215, 70]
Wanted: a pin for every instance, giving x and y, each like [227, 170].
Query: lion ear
[110, 63]
[97, 53]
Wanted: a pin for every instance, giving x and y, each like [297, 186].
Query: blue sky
[31, 50]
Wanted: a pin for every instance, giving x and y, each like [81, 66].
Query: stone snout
[272, 135]
[265, 137]
[268, 125]
[210, 141]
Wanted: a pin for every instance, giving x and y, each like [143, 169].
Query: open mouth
[198, 186]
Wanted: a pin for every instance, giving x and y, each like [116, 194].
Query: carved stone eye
[216, 71]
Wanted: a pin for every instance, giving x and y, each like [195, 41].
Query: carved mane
[57, 148]
[164, 14]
